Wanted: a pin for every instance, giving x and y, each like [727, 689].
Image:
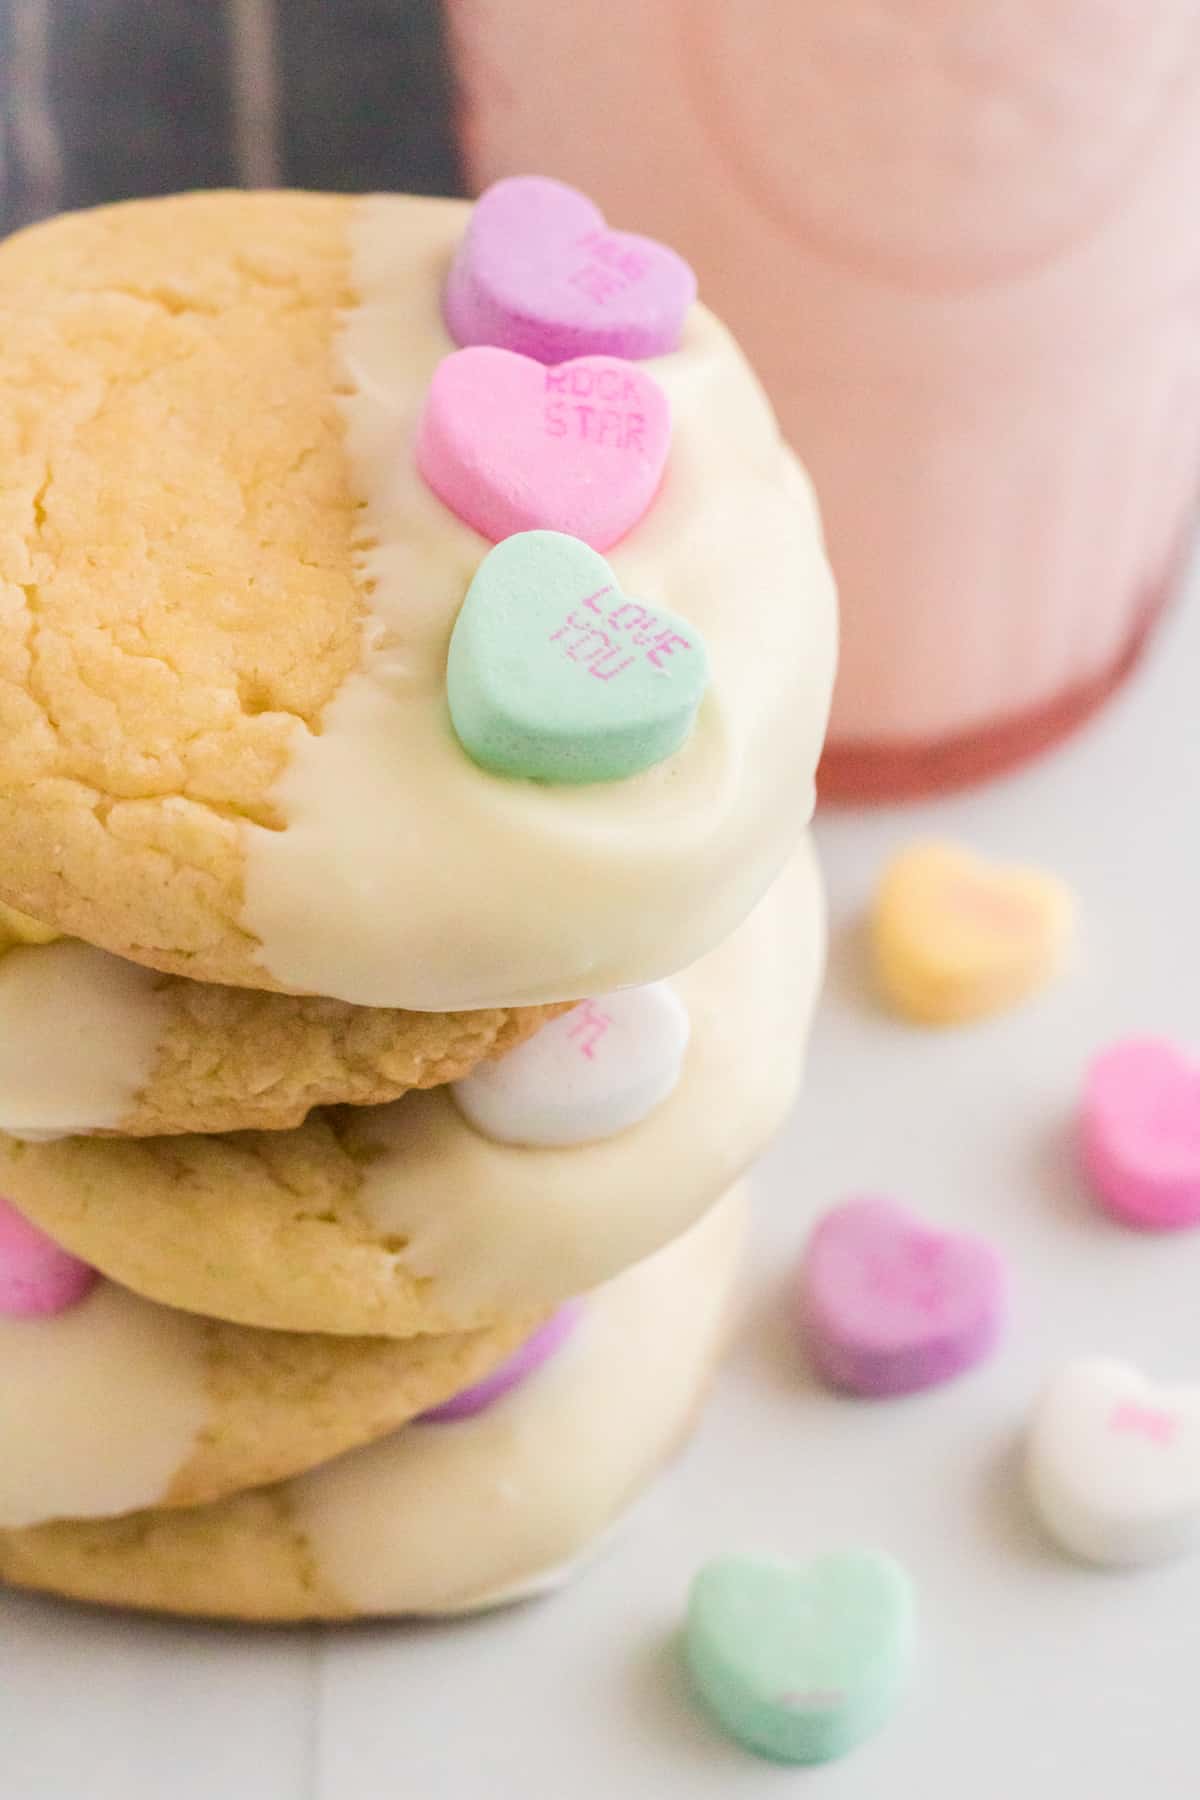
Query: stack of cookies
[415, 647]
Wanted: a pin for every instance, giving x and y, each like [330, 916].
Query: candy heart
[956, 938]
[800, 1663]
[36, 1276]
[515, 1369]
[1113, 1463]
[512, 446]
[556, 675]
[588, 1074]
[889, 1306]
[539, 271]
[1140, 1133]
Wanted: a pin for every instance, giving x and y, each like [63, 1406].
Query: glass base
[860, 774]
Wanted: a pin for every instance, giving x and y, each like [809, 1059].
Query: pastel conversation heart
[37, 1278]
[540, 272]
[1140, 1133]
[516, 1369]
[799, 1663]
[511, 446]
[589, 1074]
[889, 1305]
[555, 675]
[1113, 1463]
[956, 938]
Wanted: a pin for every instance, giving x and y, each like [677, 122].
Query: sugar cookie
[403, 1218]
[234, 721]
[147, 1055]
[438, 1518]
[118, 1404]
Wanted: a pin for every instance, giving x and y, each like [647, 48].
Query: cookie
[438, 1518]
[115, 1404]
[92, 1043]
[226, 600]
[403, 1218]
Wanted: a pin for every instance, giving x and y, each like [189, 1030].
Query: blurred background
[100, 99]
[959, 240]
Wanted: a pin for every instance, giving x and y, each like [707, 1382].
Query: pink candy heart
[889, 1305]
[539, 271]
[511, 446]
[36, 1276]
[1140, 1133]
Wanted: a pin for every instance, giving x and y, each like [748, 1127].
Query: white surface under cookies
[1034, 1676]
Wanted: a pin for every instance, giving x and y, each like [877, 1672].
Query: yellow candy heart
[956, 937]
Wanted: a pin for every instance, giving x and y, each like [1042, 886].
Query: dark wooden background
[101, 99]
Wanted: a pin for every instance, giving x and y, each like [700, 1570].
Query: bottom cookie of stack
[442, 1516]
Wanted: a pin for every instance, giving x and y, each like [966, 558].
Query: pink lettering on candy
[1146, 1421]
[634, 626]
[590, 1026]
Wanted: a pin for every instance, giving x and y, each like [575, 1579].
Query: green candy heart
[798, 1663]
[556, 675]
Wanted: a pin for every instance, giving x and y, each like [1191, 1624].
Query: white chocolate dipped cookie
[109, 1403]
[90, 1042]
[442, 1517]
[227, 594]
[404, 1218]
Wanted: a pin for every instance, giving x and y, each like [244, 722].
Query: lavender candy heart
[528, 1357]
[539, 272]
[889, 1306]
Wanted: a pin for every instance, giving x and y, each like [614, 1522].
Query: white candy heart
[1114, 1463]
[588, 1074]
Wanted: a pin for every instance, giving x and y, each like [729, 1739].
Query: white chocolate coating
[438, 886]
[79, 1036]
[499, 1225]
[449, 1518]
[99, 1407]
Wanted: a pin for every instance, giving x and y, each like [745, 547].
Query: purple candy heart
[889, 1305]
[538, 271]
[536, 1350]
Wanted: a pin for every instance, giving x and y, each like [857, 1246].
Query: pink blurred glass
[961, 242]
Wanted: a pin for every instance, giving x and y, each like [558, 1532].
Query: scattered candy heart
[539, 271]
[537, 1349]
[37, 1278]
[1114, 1464]
[889, 1305]
[588, 1074]
[956, 938]
[800, 1664]
[511, 446]
[556, 675]
[1140, 1133]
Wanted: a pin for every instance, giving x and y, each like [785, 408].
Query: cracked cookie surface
[176, 574]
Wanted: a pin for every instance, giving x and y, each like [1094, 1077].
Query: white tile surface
[1034, 1676]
